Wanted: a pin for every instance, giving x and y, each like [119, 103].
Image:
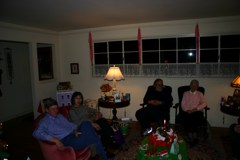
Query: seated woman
[56, 128]
[159, 100]
[234, 133]
[80, 113]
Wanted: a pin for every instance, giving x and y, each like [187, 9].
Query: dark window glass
[168, 44]
[187, 43]
[209, 42]
[150, 57]
[230, 41]
[230, 55]
[208, 56]
[101, 59]
[115, 58]
[115, 46]
[150, 44]
[100, 47]
[131, 58]
[168, 56]
[187, 57]
[131, 45]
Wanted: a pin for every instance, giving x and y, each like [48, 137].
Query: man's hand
[76, 133]
[154, 102]
[58, 143]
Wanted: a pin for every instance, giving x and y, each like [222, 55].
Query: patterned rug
[205, 150]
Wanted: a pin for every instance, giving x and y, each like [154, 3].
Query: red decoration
[90, 41]
[139, 46]
[197, 43]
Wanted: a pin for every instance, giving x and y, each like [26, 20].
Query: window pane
[186, 56]
[131, 58]
[187, 43]
[230, 55]
[115, 46]
[150, 57]
[230, 41]
[208, 42]
[100, 47]
[168, 44]
[101, 58]
[115, 58]
[209, 56]
[150, 44]
[131, 45]
[168, 56]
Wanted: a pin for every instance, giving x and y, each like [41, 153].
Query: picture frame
[45, 62]
[74, 68]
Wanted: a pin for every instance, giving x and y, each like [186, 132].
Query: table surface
[108, 104]
[231, 110]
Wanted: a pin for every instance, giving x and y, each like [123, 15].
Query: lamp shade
[236, 82]
[114, 74]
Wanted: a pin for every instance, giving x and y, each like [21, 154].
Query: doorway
[15, 80]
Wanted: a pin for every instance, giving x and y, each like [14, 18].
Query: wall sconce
[114, 74]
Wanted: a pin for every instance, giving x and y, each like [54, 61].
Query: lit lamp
[114, 74]
[236, 82]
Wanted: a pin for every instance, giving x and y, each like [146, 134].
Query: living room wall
[39, 89]
[74, 48]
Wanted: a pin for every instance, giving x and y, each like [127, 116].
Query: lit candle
[164, 125]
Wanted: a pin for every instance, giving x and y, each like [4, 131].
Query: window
[173, 56]
[230, 48]
[209, 49]
[131, 52]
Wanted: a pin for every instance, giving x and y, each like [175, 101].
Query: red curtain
[197, 43]
[139, 46]
[90, 41]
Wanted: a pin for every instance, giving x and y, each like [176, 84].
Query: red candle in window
[164, 125]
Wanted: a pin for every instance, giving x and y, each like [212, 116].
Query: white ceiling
[63, 15]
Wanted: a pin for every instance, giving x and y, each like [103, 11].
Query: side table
[109, 104]
[231, 110]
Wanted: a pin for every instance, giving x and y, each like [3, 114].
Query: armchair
[178, 110]
[49, 149]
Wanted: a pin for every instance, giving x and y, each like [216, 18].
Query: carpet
[211, 149]
[207, 150]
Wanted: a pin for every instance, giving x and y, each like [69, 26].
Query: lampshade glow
[114, 74]
[236, 82]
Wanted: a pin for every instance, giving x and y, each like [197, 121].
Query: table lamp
[236, 82]
[114, 74]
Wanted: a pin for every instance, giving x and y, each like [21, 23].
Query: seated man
[159, 101]
[193, 104]
[56, 128]
[234, 133]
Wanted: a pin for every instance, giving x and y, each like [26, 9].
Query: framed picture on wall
[45, 61]
[74, 68]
